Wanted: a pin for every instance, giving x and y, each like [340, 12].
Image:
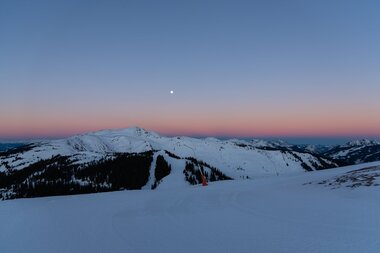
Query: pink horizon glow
[218, 120]
[260, 130]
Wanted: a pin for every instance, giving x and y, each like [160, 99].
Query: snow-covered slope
[289, 213]
[315, 149]
[355, 152]
[232, 156]
[92, 160]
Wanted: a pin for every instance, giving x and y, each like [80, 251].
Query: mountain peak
[130, 131]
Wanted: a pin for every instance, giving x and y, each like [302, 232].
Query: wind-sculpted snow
[367, 176]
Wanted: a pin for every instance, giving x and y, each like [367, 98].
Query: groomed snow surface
[277, 214]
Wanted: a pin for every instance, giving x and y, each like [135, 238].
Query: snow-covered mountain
[134, 158]
[355, 152]
[315, 149]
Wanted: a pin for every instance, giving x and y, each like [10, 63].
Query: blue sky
[241, 68]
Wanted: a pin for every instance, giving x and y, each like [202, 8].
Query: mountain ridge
[107, 160]
[134, 158]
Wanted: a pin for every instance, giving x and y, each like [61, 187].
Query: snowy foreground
[292, 213]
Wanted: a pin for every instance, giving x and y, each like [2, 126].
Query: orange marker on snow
[204, 181]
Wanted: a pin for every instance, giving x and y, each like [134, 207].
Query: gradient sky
[237, 68]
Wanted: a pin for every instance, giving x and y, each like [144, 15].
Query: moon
[171, 92]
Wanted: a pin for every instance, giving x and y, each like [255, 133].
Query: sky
[237, 68]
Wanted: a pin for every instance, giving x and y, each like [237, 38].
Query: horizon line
[26, 138]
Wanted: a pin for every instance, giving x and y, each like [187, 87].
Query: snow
[353, 146]
[363, 142]
[235, 158]
[276, 214]
[342, 153]
[152, 178]
[175, 180]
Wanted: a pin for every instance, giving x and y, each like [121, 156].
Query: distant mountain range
[355, 152]
[134, 158]
[10, 145]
